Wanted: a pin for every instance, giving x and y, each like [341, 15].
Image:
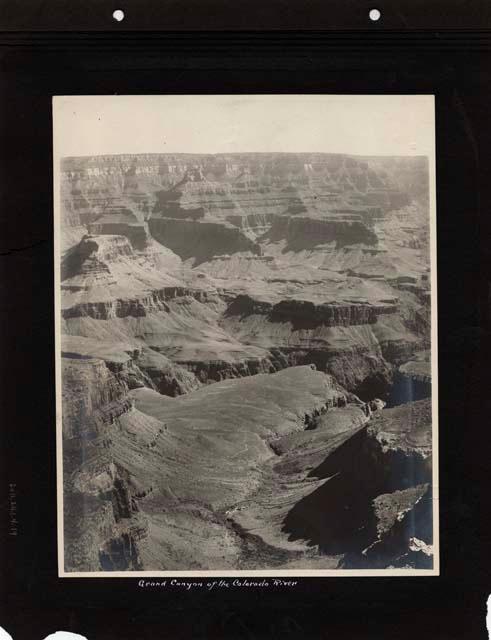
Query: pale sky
[353, 124]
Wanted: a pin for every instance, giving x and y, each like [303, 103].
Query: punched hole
[118, 15]
[374, 15]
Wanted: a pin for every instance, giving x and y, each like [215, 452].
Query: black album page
[245, 320]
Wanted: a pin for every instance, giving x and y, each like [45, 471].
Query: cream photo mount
[105, 126]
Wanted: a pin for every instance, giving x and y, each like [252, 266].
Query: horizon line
[236, 153]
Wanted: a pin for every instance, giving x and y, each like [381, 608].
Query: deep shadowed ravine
[407, 389]
[339, 516]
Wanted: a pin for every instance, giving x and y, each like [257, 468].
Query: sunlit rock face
[243, 335]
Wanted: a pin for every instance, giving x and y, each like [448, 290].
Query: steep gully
[340, 517]
[373, 509]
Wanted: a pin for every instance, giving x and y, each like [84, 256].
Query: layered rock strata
[232, 327]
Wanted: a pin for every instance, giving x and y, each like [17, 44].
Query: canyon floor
[245, 362]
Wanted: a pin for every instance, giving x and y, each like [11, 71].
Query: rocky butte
[242, 338]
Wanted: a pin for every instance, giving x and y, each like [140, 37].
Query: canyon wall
[232, 328]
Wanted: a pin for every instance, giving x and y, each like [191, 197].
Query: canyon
[246, 362]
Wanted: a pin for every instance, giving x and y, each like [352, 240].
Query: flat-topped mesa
[104, 267]
[418, 370]
[308, 315]
[244, 305]
[134, 307]
[303, 232]
[121, 221]
[92, 253]
[248, 205]
[169, 205]
[104, 277]
[217, 370]
[405, 431]
[200, 240]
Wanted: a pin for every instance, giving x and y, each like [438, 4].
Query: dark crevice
[119, 554]
[339, 516]
[407, 389]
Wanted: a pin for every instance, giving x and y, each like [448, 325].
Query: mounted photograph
[246, 335]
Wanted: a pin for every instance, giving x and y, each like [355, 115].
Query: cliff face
[342, 339]
[240, 187]
[229, 322]
[106, 268]
[307, 315]
[387, 475]
[102, 523]
[137, 307]
[200, 240]
[304, 314]
[363, 175]
[95, 397]
[304, 233]
[133, 364]
[114, 473]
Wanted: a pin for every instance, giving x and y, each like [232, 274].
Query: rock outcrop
[377, 486]
[133, 363]
[102, 522]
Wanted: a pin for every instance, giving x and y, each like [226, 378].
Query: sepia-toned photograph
[246, 335]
